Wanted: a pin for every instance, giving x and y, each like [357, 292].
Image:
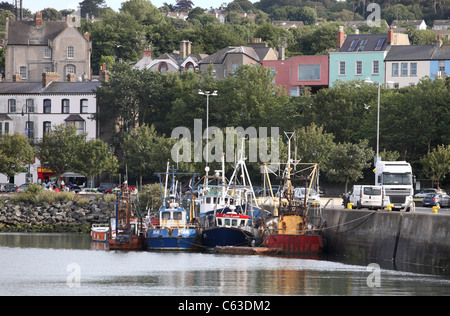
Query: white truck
[397, 179]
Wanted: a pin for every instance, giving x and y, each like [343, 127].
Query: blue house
[359, 56]
[440, 62]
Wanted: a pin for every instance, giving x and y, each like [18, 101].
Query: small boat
[174, 229]
[127, 227]
[99, 232]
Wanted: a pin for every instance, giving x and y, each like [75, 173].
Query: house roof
[441, 53]
[52, 88]
[410, 52]
[26, 32]
[371, 44]
[257, 54]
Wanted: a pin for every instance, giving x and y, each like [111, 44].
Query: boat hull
[225, 236]
[294, 244]
[133, 242]
[99, 235]
[176, 239]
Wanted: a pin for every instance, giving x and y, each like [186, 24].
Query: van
[368, 196]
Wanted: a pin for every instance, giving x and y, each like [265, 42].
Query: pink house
[300, 71]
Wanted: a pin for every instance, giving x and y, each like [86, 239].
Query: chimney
[341, 37]
[188, 48]
[390, 35]
[17, 78]
[49, 77]
[438, 42]
[183, 53]
[104, 74]
[71, 78]
[86, 36]
[147, 52]
[281, 52]
[39, 19]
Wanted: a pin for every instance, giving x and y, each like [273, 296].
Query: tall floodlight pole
[377, 157]
[207, 93]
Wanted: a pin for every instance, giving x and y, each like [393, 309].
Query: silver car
[299, 194]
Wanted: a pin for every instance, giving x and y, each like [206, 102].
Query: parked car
[7, 187]
[23, 187]
[299, 194]
[436, 199]
[425, 192]
[75, 189]
[367, 196]
[105, 186]
[117, 189]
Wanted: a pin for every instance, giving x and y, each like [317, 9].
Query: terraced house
[36, 47]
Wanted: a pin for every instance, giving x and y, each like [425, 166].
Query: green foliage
[15, 153]
[437, 163]
[150, 197]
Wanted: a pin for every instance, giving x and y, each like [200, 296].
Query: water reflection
[36, 264]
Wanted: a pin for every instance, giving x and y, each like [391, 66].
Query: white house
[405, 65]
[33, 108]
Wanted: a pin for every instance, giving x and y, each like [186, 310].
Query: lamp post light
[207, 93]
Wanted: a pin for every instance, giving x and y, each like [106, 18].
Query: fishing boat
[289, 229]
[228, 211]
[126, 224]
[174, 228]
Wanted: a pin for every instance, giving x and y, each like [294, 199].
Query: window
[12, 106]
[273, 73]
[190, 67]
[78, 124]
[353, 45]
[441, 66]
[30, 105]
[380, 43]
[362, 46]
[404, 69]
[70, 69]
[70, 52]
[293, 92]
[65, 106]
[84, 106]
[235, 67]
[47, 127]
[308, 72]
[47, 106]
[342, 68]
[29, 129]
[395, 70]
[375, 67]
[413, 69]
[4, 130]
[23, 72]
[48, 53]
[163, 68]
[358, 70]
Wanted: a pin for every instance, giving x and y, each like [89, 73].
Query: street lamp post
[27, 129]
[207, 93]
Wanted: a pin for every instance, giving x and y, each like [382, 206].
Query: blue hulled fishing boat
[174, 228]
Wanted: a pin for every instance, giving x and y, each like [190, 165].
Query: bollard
[435, 209]
[390, 207]
[350, 206]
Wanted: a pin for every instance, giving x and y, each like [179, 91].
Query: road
[337, 203]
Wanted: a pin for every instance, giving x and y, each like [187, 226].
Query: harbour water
[70, 264]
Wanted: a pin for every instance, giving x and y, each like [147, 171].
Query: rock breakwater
[58, 217]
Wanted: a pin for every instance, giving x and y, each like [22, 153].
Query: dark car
[436, 199]
[106, 186]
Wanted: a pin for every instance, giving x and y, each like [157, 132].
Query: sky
[35, 5]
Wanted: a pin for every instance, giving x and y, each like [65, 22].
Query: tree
[145, 152]
[92, 7]
[347, 162]
[92, 158]
[436, 164]
[15, 153]
[57, 149]
[184, 5]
